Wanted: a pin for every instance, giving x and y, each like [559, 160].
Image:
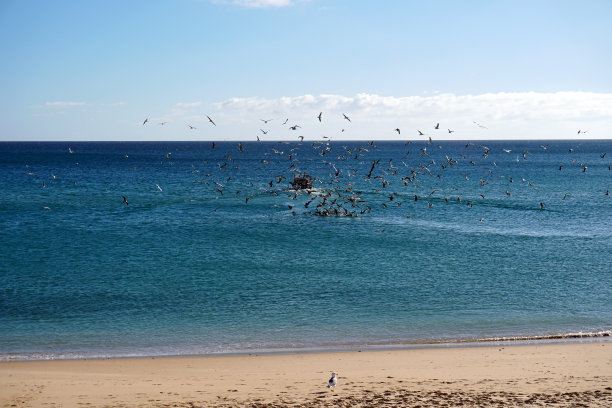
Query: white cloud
[527, 105]
[60, 104]
[257, 3]
[508, 114]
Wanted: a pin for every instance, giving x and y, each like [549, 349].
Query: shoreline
[564, 373]
[568, 338]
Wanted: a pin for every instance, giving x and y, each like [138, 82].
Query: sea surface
[214, 251]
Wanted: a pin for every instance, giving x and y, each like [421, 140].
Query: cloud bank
[507, 114]
[498, 106]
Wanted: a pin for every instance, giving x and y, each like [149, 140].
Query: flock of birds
[351, 179]
[339, 189]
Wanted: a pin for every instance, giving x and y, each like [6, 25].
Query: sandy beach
[517, 375]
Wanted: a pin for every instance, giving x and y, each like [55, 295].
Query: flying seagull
[397, 130]
[265, 120]
[147, 119]
[346, 117]
[192, 127]
[125, 200]
[210, 120]
[320, 115]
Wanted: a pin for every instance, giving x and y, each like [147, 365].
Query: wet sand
[560, 375]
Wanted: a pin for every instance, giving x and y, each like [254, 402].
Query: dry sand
[559, 375]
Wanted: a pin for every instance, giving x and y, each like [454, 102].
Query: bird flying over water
[192, 127]
[397, 130]
[125, 200]
[266, 120]
[346, 117]
[147, 119]
[210, 120]
[320, 115]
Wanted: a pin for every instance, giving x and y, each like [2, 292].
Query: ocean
[117, 249]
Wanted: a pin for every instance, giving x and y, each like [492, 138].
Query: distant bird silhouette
[320, 115]
[397, 130]
[210, 120]
[294, 127]
[420, 133]
[265, 132]
[450, 131]
[266, 120]
[192, 127]
[145, 121]
[346, 117]
[125, 201]
[437, 126]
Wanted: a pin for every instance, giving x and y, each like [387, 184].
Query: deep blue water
[225, 256]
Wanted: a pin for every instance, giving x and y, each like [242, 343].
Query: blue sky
[94, 70]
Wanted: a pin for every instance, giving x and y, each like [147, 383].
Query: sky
[96, 69]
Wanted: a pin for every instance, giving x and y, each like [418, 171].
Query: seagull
[265, 120]
[479, 125]
[437, 126]
[420, 133]
[163, 123]
[397, 130]
[125, 200]
[582, 131]
[294, 127]
[450, 131]
[159, 188]
[265, 132]
[192, 127]
[332, 381]
[210, 120]
[346, 117]
[320, 115]
[147, 119]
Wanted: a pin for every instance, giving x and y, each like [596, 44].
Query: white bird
[332, 381]
[159, 188]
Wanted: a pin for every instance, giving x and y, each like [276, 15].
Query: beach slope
[519, 375]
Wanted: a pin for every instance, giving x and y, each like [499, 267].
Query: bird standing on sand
[332, 381]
